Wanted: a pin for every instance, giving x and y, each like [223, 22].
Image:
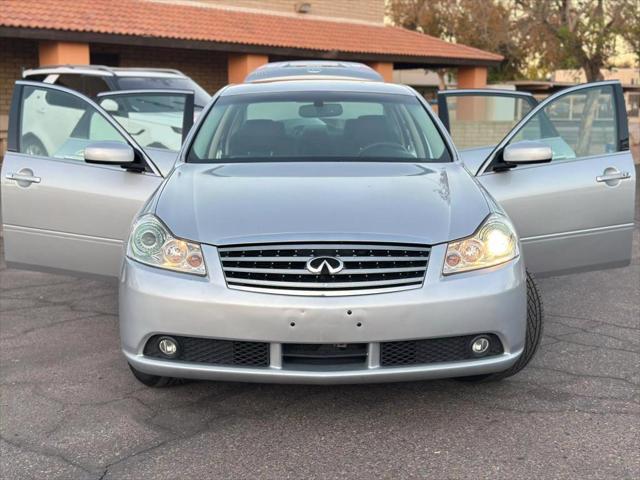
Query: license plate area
[338, 355]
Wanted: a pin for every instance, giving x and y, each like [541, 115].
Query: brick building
[216, 41]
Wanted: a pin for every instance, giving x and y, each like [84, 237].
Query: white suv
[149, 103]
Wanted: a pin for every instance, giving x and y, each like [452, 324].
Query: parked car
[155, 106]
[320, 226]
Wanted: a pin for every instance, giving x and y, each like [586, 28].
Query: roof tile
[185, 22]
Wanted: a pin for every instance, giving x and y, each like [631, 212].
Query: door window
[482, 120]
[577, 124]
[60, 125]
[154, 119]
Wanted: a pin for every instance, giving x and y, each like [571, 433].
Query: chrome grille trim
[324, 246]
[345, 259]
[368, 268]
[307, 272]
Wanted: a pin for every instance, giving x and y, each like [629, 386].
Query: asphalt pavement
[70, 409]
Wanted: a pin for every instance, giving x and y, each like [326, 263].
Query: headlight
[151, 243]
[495, 242]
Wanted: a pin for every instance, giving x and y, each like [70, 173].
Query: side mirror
[527, 152]
[109, 152]
[110, 105]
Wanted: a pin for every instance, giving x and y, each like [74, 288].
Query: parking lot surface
[70, 409]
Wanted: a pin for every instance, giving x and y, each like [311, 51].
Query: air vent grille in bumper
[433, 350]
[214, 352]
[327, 355]
[366, 268]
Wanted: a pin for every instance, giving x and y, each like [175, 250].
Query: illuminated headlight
[151, 243]
[494, 243]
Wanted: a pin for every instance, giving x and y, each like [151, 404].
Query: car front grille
[281, 268]
[214, 352]
[434, 350]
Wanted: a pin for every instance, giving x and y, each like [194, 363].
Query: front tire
[156, 381]
[535, 324]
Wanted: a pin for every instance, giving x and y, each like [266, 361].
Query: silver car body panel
[566, 219]
[163, 159]
[490, 301]
[473, 158]
[317, 201]
[88, 220]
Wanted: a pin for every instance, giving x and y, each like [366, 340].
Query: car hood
[226, 204]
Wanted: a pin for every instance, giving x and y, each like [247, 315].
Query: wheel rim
[34, 149]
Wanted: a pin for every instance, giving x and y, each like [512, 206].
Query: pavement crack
[585, 375]
[46, 452]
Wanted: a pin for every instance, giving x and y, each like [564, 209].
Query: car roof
[317, 86]
[310, 69]
[101, 70]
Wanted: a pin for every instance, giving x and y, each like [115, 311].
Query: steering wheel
[385, 149]
[297, 131]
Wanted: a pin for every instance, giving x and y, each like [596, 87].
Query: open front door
[577, 211]
[158, 120]
[58, 211]
[479, 119]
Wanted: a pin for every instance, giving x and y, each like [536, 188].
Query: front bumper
[154, 301]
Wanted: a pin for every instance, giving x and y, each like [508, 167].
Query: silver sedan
[319, 225]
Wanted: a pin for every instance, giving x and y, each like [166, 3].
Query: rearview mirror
[109, 152]
[320, 110]
[527, 152]
[110, 105]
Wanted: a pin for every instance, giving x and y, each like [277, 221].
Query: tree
[629, 27]
[487, 25]
[571, 33]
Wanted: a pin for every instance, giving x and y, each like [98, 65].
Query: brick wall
[15, 56]
[209, 69]
[363, 10]
[469, 134]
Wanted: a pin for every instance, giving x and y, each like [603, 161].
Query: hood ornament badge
[325, 265]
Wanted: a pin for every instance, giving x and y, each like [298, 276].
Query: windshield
[323, 126]
[201, 97]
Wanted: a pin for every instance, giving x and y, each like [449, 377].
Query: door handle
[21, 178]
[612, 176]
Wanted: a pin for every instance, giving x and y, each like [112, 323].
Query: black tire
[31, 145]
[535, 325]
[156, 381]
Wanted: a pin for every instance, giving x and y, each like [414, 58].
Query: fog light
[480, 345]
[168, 346]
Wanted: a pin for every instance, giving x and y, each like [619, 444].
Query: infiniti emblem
[325, 265]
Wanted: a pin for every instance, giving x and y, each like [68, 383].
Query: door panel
[75, 216]
[577, 212]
